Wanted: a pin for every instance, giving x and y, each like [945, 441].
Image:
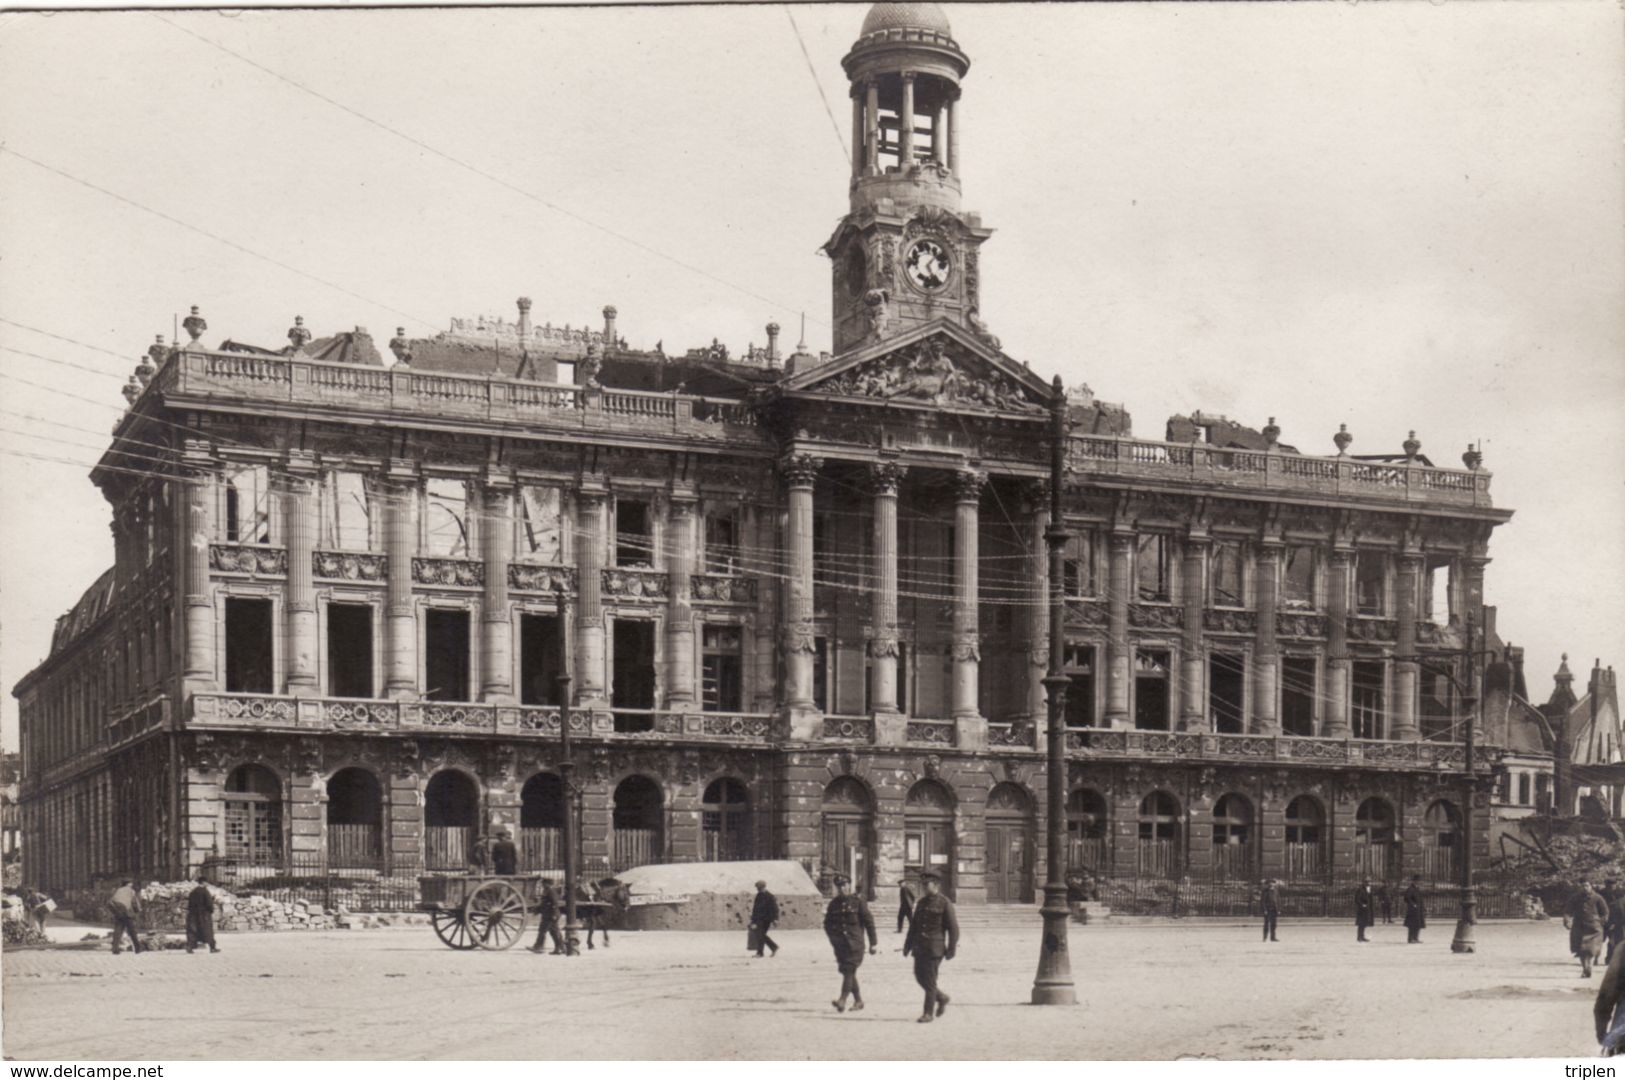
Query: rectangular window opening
[248, 647]
[540, 657]
[821, 673]
[1151, 692]
[1367, 700]
[1298, 695]
[446, 655]
[446, 518]
[248, 505]
[634, 534]
[1298, 578]
[541, 524]
[1078, 566]
[1227, 575]
[1152, 567]
[1437, 596]
[348, 521]
[722, 542]
[1370, 576]
[1080, 692]
[1438, 696]
[633, 673]
[349, 650]
[1225, 701]
[722, 669]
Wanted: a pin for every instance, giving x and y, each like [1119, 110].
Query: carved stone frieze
[541, 577]
[1301, 626]
[1156, 616]
[723, 588]
[1364, 629]
[933, 372]
[1086, 613]
[1229, 621]
[624, 584]
[247, 559]
[349, 566]
[465, 572]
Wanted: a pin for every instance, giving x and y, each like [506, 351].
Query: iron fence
[1326, 898]
[311, 877]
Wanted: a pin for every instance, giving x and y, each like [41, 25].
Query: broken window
[253, 809]
[445, 524]
[446, 655]
[633, 674]
[541, 524]
[1298, 577]
[540, 659]
[1225, 700]
[1367, 700]
[349, 650]
[1151, 692]
[1370, 582]
[1228, 587]
[1152, 567]
[1298, 695]
[1523, 789]
[722, 669]
[151, 521]
[1079, 664]
[1438, 705]
[248, 647]
[722, 542]
[821, 679]
[347, 521]
[248, 505]
[823, 545]
[1078, 565]
[634, 534]
[1437, 597]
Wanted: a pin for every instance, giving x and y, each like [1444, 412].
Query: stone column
[905, 118]
[953, 135]
[1337, 646]
[193, 530]
[496, 621]
[299, 614]
[857, 132]
[939, 135]
[589, 629]
[680, 691]
[871, 154]
[885, 478]
[1118, 660]
[1472, 577]
[1038, 599]
[1266, 657]
[967, 647]
[800, 472]
[400, 616]
[1403, 708]
[1193, 707]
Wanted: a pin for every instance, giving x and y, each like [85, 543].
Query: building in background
[803, 598]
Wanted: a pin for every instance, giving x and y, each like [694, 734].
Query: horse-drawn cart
[486, 911]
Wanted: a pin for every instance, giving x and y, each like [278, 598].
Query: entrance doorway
[847, 826]
[1009, 846]
[928, 832]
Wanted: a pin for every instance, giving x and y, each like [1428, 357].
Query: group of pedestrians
[125, 907]
[1596, 925]
[595, 909]
[1367, 904]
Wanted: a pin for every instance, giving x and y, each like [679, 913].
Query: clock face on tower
[928, 265]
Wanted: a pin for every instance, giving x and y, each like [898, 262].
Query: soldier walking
[846, 921]
[932, 938]
[763, 914]
[548, 926]
[125, 905]
[1587, 915]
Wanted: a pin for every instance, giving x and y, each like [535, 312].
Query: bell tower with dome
[905, 254]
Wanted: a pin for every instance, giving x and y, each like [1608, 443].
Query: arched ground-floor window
[355, 817]
[541, 823]
[1088, 832]
[725, 834]
[451, 814]
[638, 824]
[1376, 842]
[253, 804]
[1234, 853]
[1441, 839]
[1160, 836]
[1305, 839]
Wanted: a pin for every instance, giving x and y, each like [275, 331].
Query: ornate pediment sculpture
[927, 373]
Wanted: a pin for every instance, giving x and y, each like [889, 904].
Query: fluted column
[496, 621]
[1193, 706]
[400, 615]
[299, 665]
[884, 478]
[1266, 656]
[1337, 646]
[589, 628]
[1472, 579]
[193, 530]
[1118, 660]
[857, 132]
[800, 472]
[680, 694]
[1403, 707]
[967, 636]
[953, 135]
[871, 152]
[1038, 599]
[905, 120]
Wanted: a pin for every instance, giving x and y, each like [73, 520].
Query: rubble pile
[164, 908]
[1577, 859]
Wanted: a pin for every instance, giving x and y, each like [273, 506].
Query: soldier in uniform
[932, 937]
[1271, 901]
[548, 911]
[846, 921]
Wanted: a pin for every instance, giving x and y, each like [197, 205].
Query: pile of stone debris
[164, 908]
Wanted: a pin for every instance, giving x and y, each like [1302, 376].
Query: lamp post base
[1463, 942]
[1053, 985]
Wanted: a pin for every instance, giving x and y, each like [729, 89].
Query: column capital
[968, 485]
[1409, 562]
[300, 462]
[886, 476]
[1197, 543]
[590, 492]
[800, 470]
[497, 480]
[883, 645]
[1121, 539]
[1270, 547]
[1341, 558]
[683, 503]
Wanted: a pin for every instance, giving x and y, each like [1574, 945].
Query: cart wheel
[495, 915]
[451, 928]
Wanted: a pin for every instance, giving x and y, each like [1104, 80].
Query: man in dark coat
[1271, 901]
[504, 854]
[933, 935]
[1587, 915]
[1615, 930]
[846, 922]
[1385, 901]
[547, 910]
[1363, 899]
[1415, 912]
[763, 914]
[200, 917]
[1606, 1011]
[905, 903]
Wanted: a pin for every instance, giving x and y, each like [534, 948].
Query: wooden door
[929, 845]
[1009, 864]
[844, 849]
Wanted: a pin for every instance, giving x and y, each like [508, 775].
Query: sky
[1392, 216]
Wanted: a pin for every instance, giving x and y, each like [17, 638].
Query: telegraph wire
[59, 337]
[846, 150]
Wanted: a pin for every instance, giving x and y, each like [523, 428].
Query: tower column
[298, 486]
[871, 156]
[1038, 599]
[496, 621]
[1336, 724]
[1266, 658]
[1117, 643]
[193, 530]
[589, 621]
[953, 134]
[905, 132]
[1472, 573]
[1404, 703]
[800, 472]
[1193, 711]
[885, 478]
[857, 132]
[400, 545]
[680, 695]
[939, 135]
[967, 649]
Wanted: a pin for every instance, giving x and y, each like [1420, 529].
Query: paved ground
[1157, 991]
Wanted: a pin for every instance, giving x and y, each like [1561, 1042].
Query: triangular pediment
[938, 364]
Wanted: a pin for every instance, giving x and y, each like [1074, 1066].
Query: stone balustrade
[930, 732]
[1090, 743]
[859, 729]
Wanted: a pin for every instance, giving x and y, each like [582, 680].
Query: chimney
[1515, 658]
[524, 319]
[609, 328]
[772, 344]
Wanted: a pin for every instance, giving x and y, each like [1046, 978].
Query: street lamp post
[572, 927]
[1463, 941]
[1053, 984]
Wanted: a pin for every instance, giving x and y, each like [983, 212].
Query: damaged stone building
[802, 598]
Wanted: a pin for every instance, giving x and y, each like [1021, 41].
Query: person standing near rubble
[1586, 916]
[200, 917]
[125, 905]
[932, 938]
[846, 921]
[905, 903]
[1614, 931]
